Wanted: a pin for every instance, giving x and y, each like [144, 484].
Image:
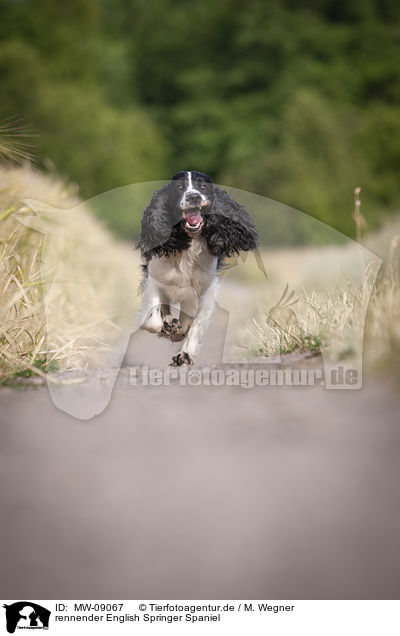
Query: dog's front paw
[171, 326]
[180, 359]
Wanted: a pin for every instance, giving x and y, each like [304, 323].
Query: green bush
[297, 102]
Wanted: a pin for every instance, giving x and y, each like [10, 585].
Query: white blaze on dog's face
[191, 193]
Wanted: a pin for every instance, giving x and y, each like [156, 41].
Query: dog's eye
[179, 186]
[203, 186]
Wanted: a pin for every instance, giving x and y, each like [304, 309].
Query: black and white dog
[187, 230]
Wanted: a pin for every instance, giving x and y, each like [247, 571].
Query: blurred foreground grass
[67, 288]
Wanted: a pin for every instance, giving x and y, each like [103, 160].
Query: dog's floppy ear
[228, 228]
[156, 225]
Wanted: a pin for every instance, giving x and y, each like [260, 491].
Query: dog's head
[191, 205]
[190, 194]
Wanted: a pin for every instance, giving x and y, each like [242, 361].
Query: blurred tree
[296, 101]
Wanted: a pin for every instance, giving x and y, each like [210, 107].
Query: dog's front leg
[192, 342]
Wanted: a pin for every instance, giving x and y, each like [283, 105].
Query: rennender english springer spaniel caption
[188, 228]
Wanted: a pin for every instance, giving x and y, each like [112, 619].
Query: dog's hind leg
[152, 310]
[192, 342]
[171, 326]
[155, 312]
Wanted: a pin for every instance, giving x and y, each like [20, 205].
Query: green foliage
[295, 101]
[66, 83]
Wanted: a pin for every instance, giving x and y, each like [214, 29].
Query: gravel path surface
[202, 492]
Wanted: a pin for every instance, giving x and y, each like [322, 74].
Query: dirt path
[202, 492]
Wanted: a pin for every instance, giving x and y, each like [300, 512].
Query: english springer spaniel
[187, 230]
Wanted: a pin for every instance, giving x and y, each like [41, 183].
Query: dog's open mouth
[193, 221]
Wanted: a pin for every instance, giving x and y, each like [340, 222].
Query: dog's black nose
[193, 197]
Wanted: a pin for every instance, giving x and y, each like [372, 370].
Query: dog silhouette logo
[26, 615]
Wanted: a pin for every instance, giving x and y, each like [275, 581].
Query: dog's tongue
[193, 217]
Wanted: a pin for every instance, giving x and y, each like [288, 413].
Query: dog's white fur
[186, 280]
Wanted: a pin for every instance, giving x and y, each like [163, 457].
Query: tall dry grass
[382, 333]
[331, 321]
[345, 320]
[66, 287]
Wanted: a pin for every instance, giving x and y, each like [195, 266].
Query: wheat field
[67, 287]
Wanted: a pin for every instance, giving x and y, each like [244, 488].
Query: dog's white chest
[193, 269]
